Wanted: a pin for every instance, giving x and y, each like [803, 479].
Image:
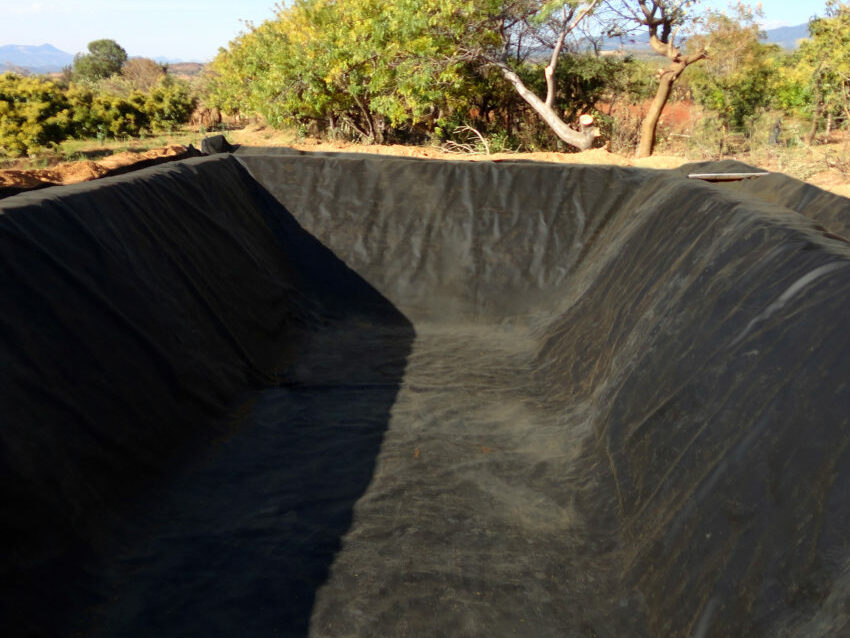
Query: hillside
[785, 37]
[22, 58]
[36, 59]
[185, 70]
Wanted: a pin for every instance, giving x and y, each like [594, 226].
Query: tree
[360, 66]
[368, 64]
[541, 24]
[824, 61]
[143, 74]
[105, 58]
[736, 79]
[663, 20]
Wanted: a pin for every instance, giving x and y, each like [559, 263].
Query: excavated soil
[14, 179]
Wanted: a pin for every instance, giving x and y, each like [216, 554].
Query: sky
[193, 30]
[777, 13]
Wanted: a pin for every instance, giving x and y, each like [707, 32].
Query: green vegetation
[442, 71]
[363, 69]
[826, 58]
[736, 82]
[467, 75]
[138, 99]
[105, 58]
[409, 70]
[33, 113]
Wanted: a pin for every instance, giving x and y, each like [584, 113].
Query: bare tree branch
[567, 27]
[572, 137]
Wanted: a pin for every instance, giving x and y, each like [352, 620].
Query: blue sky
[194, 29]
[185, 29]
[777, 13]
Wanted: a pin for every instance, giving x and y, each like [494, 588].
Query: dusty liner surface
[278, 394]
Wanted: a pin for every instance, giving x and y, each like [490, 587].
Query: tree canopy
[371, 64]
[735, 82]
[416, 69]
[143, 74]
[105, 58]
[826, 58]
[355, 64]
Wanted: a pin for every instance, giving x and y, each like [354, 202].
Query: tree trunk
[845, 103]
[367, 118]
[678, 63]
[577, 139]
[650, 121]
[549, 71]
[810, 137]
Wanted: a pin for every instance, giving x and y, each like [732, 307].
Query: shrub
[168, 104]
[33, 113]
[163, 108]
[98, 115]
[122, 117]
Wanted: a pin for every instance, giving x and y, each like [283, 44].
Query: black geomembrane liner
[273, 393]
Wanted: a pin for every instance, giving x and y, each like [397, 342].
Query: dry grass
[259, 135]
[94, 149]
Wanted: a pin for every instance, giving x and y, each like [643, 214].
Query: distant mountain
[788, 37]
[176, 61]
[35, 59]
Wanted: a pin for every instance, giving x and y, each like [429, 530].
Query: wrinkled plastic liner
[292, 394]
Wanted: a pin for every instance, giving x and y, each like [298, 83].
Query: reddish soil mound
[15, 180]
[675, 114]
[128, 158]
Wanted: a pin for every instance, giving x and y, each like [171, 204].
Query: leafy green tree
[105, 58]
[583, 80]
[361, 66]
[97, 114]
[33, 113]
[371, 65]
[823, 62]
[736, 80]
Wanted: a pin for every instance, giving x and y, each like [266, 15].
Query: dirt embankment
[15, 180]
[592, 156]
